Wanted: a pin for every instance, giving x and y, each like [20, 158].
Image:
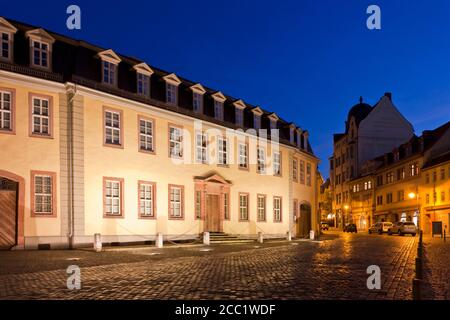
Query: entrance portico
[214, 196]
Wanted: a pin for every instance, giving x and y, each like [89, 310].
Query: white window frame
[176, 205]
[243, 157]
[146, 200]
[47, 195]
[309, 174]
[143, 84]
[218, 110]
[40, 116]
[175, 142]
[222, 151]
[276, 163]
[146, 138]
[261, 160]
[9, 43]
[41, 52]
[115, 200]
[201, 147]
[302, 172]
[261, 207]
[295, 170]
[197, 102]
[109, 73]
[277, 209]
[113, 128]
[243, 207]
[4, 111]
[171, 93]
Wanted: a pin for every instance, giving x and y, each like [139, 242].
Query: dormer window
[273, 121]
[143, 74]
[299, 138]
[291, 134]
[7, 32]
[110, 60]
[219, 99]
[257, 121]
[40, 48]
[172, 83]
[197, 97]
[239, 112]
[218, 110]
[109, 73]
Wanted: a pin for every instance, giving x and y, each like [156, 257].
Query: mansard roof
[78, 61]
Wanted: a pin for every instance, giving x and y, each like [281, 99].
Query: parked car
[351, 228]
[324, 226]
[402, 228]
[380, 227]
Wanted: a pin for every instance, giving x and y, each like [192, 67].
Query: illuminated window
[40, 117]
[222, 146]
[6, 110]
[175, 142]
[277, 163]
[277, 209]
[146, 199]
[43, 193]
[113, 196]
[146, 135]
[243, 156]
[243, 207]
[112, 127]
[176, 194]
[261, 208]
[201, 147]
[261, 160]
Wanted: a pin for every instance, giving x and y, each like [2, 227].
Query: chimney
[388, 95]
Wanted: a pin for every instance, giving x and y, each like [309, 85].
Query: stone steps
[221, 237]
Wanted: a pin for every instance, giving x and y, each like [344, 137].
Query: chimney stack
[388, 95]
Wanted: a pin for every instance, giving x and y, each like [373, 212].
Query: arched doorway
[304, 222]
[12, 190]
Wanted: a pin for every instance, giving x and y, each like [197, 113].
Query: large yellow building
[95, 142]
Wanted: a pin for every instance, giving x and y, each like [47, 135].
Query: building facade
[97, 142]
[370, 131]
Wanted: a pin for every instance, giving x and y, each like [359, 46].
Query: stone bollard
[288, 236]
[97, 242]
[159, 242]
[419, 268]
[311, 235]
[260, 237]
[416, 289]
[206, 238]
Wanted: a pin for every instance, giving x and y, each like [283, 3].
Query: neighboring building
[326, 202]
[410, 183]
[97, 142]
[369, 132]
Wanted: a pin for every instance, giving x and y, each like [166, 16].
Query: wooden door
[7, 219]
[212, 222]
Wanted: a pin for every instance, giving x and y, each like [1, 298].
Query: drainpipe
[71, 91]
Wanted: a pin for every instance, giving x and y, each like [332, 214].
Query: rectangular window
[218, 110]
[243, 207]
[427, 199]
[109, 73]
[442, 174]
[146, 132]
[401, 174]
[171, 93]
[40, 54]
[6, 40]
[113, 191]
[239, 117]
[243, 156]
[302, 172]
[401, 195]
[6, 110]
[277, 209]
[389, 197]
[261, 161]
[197, 102]
[389, 177]
[147, 199]
[256, 122]
[442, 196]
[198, 204]
[226, 206]
[379, 200]
[176, 203]
[201, 147]
[261, 207]
[143, 84]
[414, 169]
[175, 142]
[43, 193]
[379, 180]
[40, 116]
[113, 128]
[295, 170]
[277, 163]
[222, 146]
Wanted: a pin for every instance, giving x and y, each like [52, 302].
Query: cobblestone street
[436, 269]
[334, 268]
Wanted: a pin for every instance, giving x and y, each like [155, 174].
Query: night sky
[309, 60]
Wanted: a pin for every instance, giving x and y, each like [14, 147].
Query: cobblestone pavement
[436, 269]
[334, 268]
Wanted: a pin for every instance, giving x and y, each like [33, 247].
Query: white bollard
[260, 237]
[288, 236]
[311, 235]
[206, 238]
[159, 240]
[97, 242]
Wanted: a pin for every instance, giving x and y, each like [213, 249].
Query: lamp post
[346, 207]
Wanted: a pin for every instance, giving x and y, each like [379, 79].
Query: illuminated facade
[96, 142]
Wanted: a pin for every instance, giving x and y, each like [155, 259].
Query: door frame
[219, 202]
[20, 241]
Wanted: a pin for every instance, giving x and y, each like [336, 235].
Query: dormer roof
[219, 96]
[6, 26]
[258, 111]
[40, 34]
[143, 68]
[172, 79]
[198, 88]
[110, 56]
[239, 104]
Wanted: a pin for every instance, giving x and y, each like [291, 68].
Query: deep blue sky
[307, 60]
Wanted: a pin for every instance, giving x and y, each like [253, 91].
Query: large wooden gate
[8, 213]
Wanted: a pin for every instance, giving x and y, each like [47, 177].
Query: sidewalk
[436, 269]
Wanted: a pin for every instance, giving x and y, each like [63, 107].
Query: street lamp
[413, 195]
